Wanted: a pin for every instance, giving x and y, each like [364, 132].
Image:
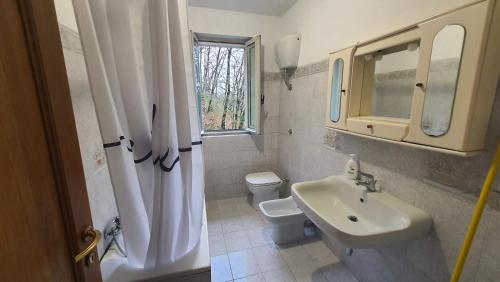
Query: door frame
[41, 31]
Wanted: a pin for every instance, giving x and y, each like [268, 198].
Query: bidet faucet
[367, 180]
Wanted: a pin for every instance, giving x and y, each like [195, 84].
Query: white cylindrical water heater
[287, 51]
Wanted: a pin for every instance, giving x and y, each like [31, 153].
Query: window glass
[221, 86]
[336, 91]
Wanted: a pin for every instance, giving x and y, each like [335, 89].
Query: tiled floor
[241, 249]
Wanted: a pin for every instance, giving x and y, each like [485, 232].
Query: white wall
[65, 13]
[329, 25]
[239, 24]
[98, 181]
[228, 159]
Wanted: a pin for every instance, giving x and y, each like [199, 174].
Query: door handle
[89, 234]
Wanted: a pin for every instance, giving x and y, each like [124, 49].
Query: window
[227, 83]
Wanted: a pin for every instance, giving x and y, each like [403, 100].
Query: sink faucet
[367, 180]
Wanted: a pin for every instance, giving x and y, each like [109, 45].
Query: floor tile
[243, 263]
[318, 249]
[279, 275]
[251, 220]
[211, 204]
[259, 236]
[308, 272]
[214, 227]
[253, 278]
[226, 205]
[221, 270]
[213, 216]
[231, 225]
[295, 254]
[337, 272]
[217, 245]
[328, 260]
[268, 257]
[246, 209]
[241, 231]
[228, 213]
[241, 201]
[264, 219]
[212, 207]
[236, 241]
[225, 202]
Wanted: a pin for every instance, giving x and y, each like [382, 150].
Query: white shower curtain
[139, 63]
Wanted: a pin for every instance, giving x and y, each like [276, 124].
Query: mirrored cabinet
[338, 87]
[430, 85]
[442, 78]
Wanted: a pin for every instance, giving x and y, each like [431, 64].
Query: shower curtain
[140, 67]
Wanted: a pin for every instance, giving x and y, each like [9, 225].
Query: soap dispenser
[352, 167]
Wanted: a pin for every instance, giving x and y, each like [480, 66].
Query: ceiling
[263, 7]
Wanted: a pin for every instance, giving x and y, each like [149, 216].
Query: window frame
[199, 39]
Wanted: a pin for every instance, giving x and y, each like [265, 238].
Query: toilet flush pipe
[476, 217]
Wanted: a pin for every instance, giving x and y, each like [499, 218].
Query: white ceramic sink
[377, 220]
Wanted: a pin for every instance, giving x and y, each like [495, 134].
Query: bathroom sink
[341, 210]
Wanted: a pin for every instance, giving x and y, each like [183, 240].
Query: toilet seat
[263, 178]
[264, 186]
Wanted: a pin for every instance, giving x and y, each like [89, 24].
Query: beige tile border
[321, 66]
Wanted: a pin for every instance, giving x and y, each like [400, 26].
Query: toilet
[286, 218]
[264, 186]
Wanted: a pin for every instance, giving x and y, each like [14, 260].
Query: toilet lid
[263, 178]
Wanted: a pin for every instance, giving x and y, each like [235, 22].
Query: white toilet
[286, 218]
[264, 186]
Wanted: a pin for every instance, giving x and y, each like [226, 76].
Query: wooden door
[44, 207]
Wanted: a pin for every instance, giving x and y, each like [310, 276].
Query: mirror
[442, 80]
[336, 91]
[389, 81]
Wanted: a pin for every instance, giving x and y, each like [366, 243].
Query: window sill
[225, 133]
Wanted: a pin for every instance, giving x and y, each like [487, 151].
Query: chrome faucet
[367, 180]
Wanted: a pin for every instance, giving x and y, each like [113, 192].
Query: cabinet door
[447, 78]
[338, 88]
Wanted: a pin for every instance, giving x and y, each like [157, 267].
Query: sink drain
[353, 218]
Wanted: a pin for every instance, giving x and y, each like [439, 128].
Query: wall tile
[489, 269]
[99, 189]
[312, 152]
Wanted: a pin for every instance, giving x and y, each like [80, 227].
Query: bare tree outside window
[222, 92]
